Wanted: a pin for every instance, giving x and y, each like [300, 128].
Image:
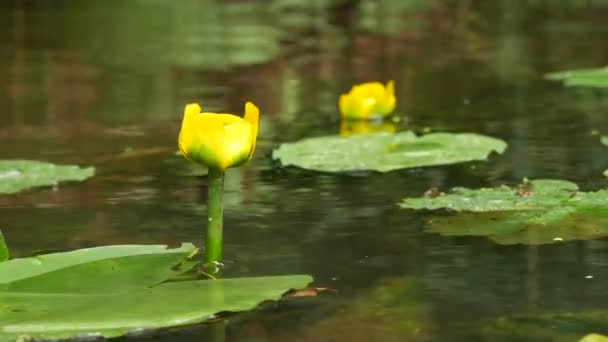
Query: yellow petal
[345, 106]
[367, 100]
[191, 110]
[239, 143]
[390, 88]
[390, 101]
[369, 89]
[186, 133]
[218, 140]
[209, 141]
[252, 114]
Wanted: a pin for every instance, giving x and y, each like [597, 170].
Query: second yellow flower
[368, 101]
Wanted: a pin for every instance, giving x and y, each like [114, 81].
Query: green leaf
[545, 192]
[385, 152]
[113, 290]
[398, 302]
[4, 254]
[66, 315]
[581, 78]
[121, 267]
[538, 212]
[18, 175]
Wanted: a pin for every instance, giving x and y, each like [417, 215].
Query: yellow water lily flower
[368, 100]
[218, 140]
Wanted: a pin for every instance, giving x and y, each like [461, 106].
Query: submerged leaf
[18, 175]
[557, 327]
[396, 302]
[385, 152]
[551, 211]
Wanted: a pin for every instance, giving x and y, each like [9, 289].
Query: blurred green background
[104, 83]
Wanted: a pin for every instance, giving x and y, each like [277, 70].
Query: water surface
[103, 83]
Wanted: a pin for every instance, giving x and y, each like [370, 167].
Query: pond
[103, 83]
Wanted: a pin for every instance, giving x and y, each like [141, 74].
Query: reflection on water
[103, 83]
[351, 127]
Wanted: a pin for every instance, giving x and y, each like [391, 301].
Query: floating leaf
[385, 152]
[581, 78]
[556, 327]
[4, 254]
[99, 269]
[111, 291]
[503, 198]
[552, 211]
[396, 302]
[58, 316]
[18, 175]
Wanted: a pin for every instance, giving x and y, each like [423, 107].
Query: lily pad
[597, 78]
[538, 212]
[99, 269]
[543, 193]
[385, 152]
[111, 291]
[18, 175]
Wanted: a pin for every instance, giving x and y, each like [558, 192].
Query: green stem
[3, 249]
[215, 219]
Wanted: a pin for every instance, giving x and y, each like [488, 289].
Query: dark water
[84, 81]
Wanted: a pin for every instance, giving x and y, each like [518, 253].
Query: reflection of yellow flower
[216, 140]
[368, 100]
[352, 127]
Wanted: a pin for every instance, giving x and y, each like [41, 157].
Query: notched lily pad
[111, 291]
[597, 78]
[541, 193]
[18, 175]
[385, 152]
[534, 212]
